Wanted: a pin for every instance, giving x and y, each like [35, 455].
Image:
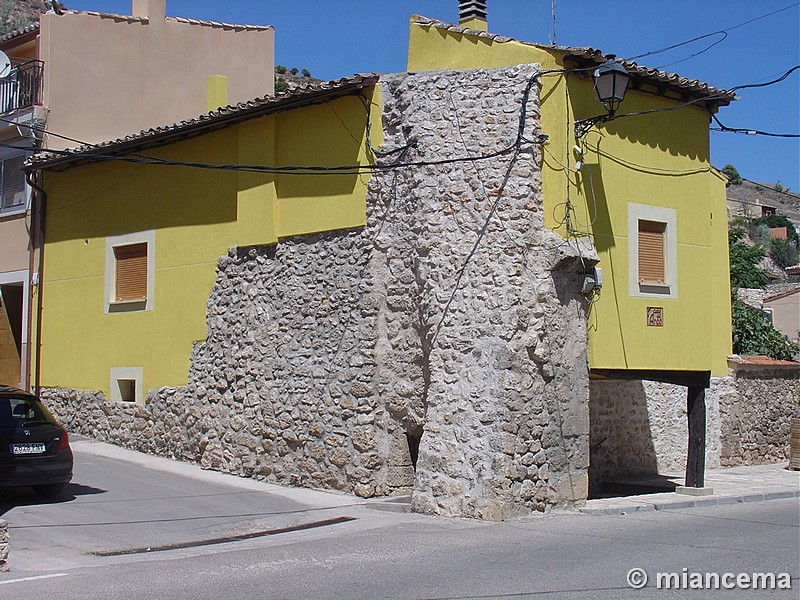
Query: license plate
[28, 448]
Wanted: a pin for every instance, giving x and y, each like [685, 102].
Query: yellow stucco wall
[660, 159]
[197, 215]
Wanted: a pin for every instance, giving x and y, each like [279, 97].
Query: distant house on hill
[753, 200]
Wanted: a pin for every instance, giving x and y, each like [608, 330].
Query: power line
[746, 131]
[766, 83]
[339, 169]
[724, 32]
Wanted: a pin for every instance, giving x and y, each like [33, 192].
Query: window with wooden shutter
[131, 272]
[651, 252]
[12, 183]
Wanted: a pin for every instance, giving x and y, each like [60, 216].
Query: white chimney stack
[152, 10]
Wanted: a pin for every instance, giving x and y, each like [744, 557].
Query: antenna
[554, 42]
[5, 64]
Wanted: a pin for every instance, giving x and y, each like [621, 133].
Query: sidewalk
[730, 486]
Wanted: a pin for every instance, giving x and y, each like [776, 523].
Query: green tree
[779, 221]
[281, 85]
[753, 334]
[732, 174]
[744, 259]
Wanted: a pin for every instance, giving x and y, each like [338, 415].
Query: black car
[34, 447]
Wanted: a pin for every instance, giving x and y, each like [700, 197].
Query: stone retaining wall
[438, 351]
[756, 422]
[4, 544]
[640, 427]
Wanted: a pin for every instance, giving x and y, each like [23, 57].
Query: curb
[701, 502]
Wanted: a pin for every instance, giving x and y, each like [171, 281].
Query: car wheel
[50, 490]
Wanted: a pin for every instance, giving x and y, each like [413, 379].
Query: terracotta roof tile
[761, 361]
[132, 19]
[19, 32]
[215, 119]
[663, 78]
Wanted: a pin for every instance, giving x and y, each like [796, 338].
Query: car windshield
[19, 411]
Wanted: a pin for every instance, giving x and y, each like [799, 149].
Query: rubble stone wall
[641, 428]
[440, 350]
[756, 421]
[4, 546]
[483, 342]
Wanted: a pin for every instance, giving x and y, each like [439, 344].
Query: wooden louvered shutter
[131, 272]
[651, 252]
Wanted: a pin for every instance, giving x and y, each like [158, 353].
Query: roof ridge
[593, 54]
[188, 20]
[210, 118]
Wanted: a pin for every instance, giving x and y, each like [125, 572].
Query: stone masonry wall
[3, 546]
[482, 332]
[282, 388]
[640, 428]
[440, 350]
[756, 421]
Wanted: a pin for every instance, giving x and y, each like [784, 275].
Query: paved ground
[126, 501]
[121, 500]
[730, 486]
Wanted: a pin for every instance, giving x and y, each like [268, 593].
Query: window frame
[667, 217]
[26, 190]
[126, 374]
[111, 304]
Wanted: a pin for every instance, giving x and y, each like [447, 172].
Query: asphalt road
[377, 555]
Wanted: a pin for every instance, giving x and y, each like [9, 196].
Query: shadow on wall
[620, 435]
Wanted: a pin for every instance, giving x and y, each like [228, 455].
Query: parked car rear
[34, 447]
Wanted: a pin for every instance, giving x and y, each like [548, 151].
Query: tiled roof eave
[134, 19]
[592, 56]
[18, 33]
[214, 120]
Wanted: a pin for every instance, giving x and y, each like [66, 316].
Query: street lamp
[610, 83]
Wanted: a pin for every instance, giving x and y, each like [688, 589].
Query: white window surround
[658, 214]
[109, 303]
[122, 374]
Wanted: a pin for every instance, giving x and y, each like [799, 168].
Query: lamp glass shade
[610, 82]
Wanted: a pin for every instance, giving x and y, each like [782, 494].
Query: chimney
[152, 10]
[472, 15]
[216, 92]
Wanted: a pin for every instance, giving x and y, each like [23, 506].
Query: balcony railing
[22, 88]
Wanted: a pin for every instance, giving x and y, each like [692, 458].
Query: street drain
[224, 540]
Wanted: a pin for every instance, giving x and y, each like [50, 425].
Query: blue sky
[336, 38]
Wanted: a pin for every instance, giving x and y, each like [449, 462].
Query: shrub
[753, 334]
[783, 252]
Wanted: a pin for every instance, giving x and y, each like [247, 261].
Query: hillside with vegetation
[287, 79]
[17, 14]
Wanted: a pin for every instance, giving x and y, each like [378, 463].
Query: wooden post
[696, 455]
